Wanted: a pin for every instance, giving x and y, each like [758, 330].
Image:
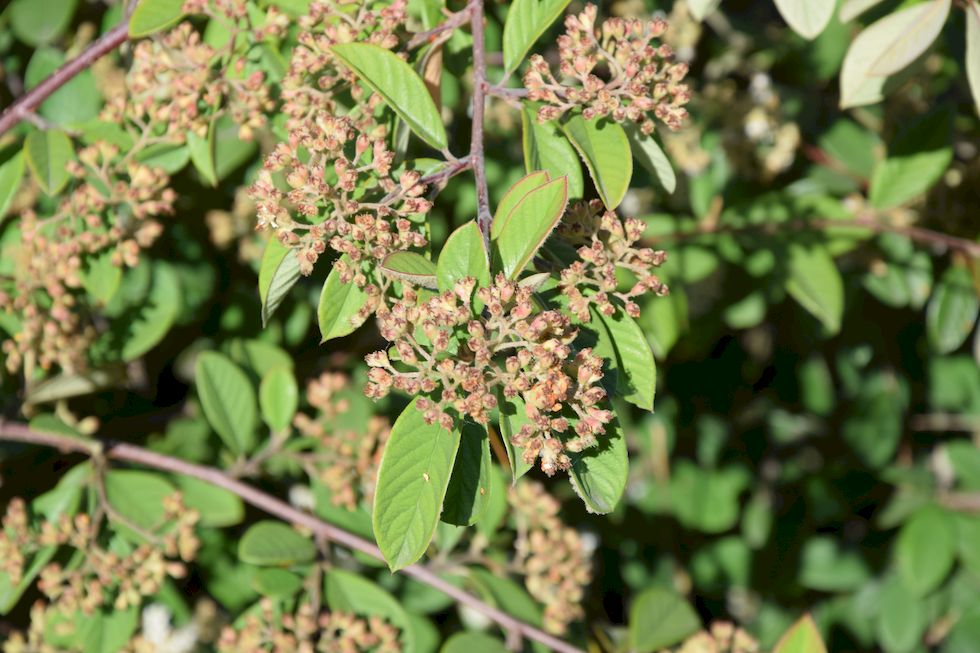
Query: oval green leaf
[546, 148]
[952, 311]
[48, 154]
[659, 618]
[278, 398]
[278, 273]
[227, 399]
[411, 267]
[11, 174]
[275, 544]
[526, 22]
[154, 15]
[514, 195]
[815, 283]
[529, 225]
[926, 550]
[155, 316]
[650, 155]
[473, 642]
[348, 592]
[599, 474]
[604, 148]
[629, 357]
[338, 313]
[469, 486]
[217, 506]
[463, 255]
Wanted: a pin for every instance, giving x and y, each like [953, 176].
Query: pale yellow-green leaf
[851, 9]
[914, 40]
[973, 50]
[808, 18]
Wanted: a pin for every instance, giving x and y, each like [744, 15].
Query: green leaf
[469, 486]
[227, 399]
[513, 416]
[815, 282]
[155, 316]
[278, 273]
[851, 145]
[659, 618]
[463, 255]
[338, 313]
[604, 148]
[901, 619]
[169, 157]
[73, 104]
[952, 310]
[138, 496]
[547, 149]
[972, 52]
[202, 155]
[526, 21]
[271, 543]
[348, 592]
[802, 637]
[11, 174]
[649, 155]
[706, 500]
[400, 86]
[916, 160]
[48, 154]
[411, 267]
[473, 642]
[630, 357]
[154, 15]
[808, 18]
[925, 550]
[599, 473]
[513, 197]
[276, 582]
[217, 506]
[529, 225]
[100, 277]
[412, 482]
[878, 50]
[36, 23]
[278, 398]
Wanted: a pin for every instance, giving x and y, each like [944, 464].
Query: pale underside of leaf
[808, 18]
[973, 50]
[914, 40]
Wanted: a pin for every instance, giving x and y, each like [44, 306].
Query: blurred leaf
[48, 154]
[803, 637]
[276, 582]
[278, 398]
[152, 16]
[599, 473]
[701, 8]
[547, 149]
[659, 618]
[75, 102]
[154, 318]
[473, 642]
[274, 544]
[529, 224]
[851, 9]
[228, 400]
[138, 496]
[411, 267]
[913, 40]
[469, 486]
[916, 161]
[36, 23]
[816, 284]
[851, 145]
[952, 311]
[412, 481]
[100, 277]
[11, 174]
[339, 311]
[826, 568]
[526, 21]
[807, 17]
[400, 86]
[278, 273]
[901, 620]
[604, 148]
[972, 51]
[201, 149]
[925, 550]
[706, 500]
[348, 592]
[217, 506]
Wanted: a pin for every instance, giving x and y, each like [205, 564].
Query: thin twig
[26, 104]
[122, 451]
[457, 19]
[483, 216]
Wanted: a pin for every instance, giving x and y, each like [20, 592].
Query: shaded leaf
[278, 398]
[348, 592]
[473, 642]
[599, 473]
[278, 273]
[48, 154]
[469, 486]
[952, 310]
[513, 416]
[36, 23]
[659, 618]
[630, 356]
[228, 400]
[925, 550]
[815, 282]
[155, 316]
[916, 160]
[649, 155]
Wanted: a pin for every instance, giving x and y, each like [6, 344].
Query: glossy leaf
[463, 255]
[599, 473]
[48, 154]
[526, 21]
[547, 149]
[529, 225]
[648, 154]
[278, 273]
[808, 18]
[152, 16]
[228, 400]
[338, 313]
[411, 267]
[952, 311]
[400, 86]
[802, 637]
[659, 618]
[273, 543]
[278, 398]
[630, 357]
[604, 148]
[469, 486]
[412, 481]
[815, 282]
[513, 197]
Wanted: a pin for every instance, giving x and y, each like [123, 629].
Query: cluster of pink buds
[605, 244]
[469, 360]
[613, 70]
[340, 192]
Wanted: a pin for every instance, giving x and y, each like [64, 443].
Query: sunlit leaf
[802, 637]
[808, 18]
[513, 196]
[339, 311]
[972, 51]
[278, 273]
[463, 255]
[529, 224]
[411, 267]
[152, 16]
[526, 21]
[604, 148]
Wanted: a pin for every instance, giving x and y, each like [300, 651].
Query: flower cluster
[340, 192]
[471, 360]
[105, 576]
[643, 82]
[552, 556]
[606, 244]
[109, 213]
[315, 74]
[346, 460]
[305, 632]
[724, 637]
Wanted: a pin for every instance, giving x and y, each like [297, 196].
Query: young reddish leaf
[529, 225]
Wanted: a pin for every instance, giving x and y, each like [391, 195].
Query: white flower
[158, 632]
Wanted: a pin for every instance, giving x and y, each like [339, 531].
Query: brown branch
[483, 216]
[26, 104]
[457, 19]
[122, 451]
[918, 234]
